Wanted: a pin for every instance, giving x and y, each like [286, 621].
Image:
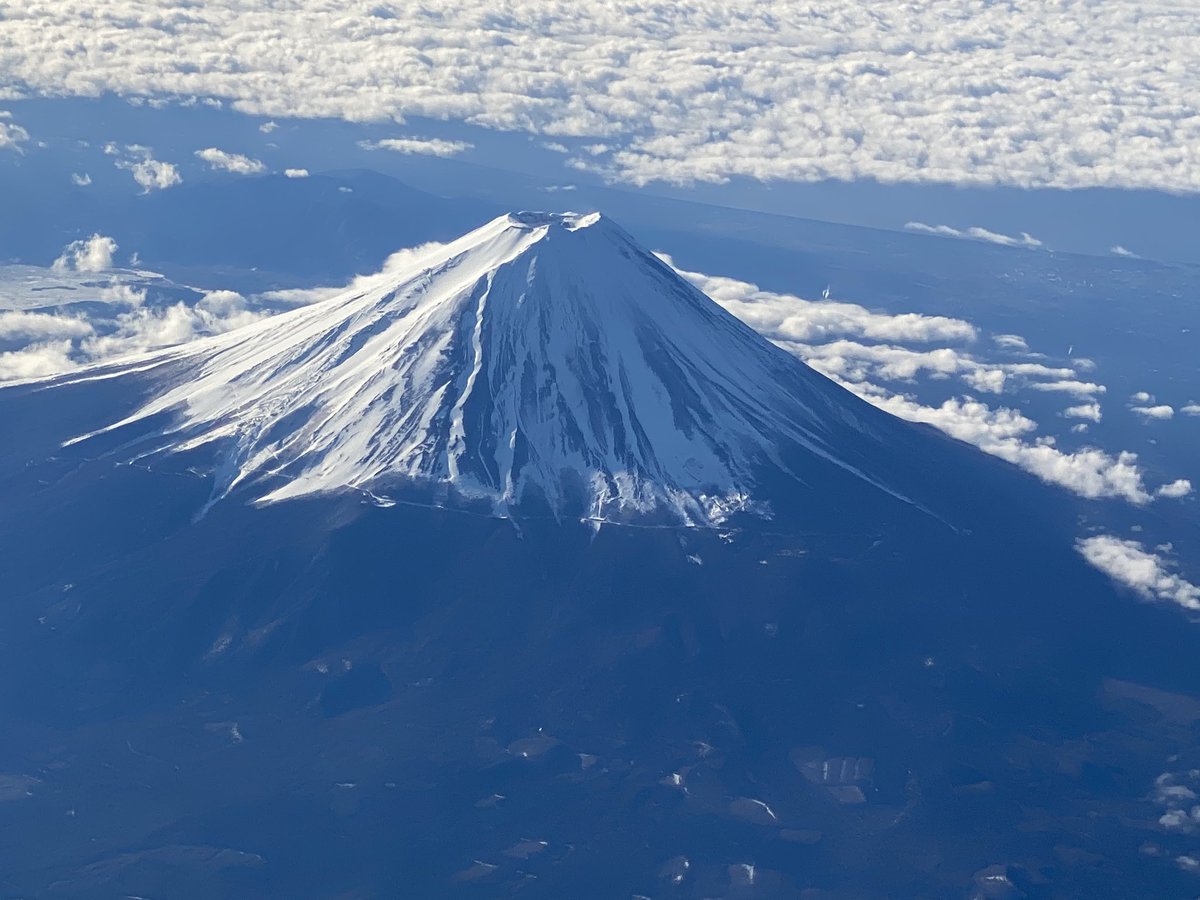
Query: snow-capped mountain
[336, 696]
[542, 359]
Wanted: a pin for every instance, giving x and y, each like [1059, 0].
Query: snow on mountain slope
[542, 358]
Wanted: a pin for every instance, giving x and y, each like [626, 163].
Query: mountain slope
[541, 361]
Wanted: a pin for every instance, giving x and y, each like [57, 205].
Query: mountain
[542, 362]
[525, 570]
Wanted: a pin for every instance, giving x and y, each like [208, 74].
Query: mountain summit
[541, 362]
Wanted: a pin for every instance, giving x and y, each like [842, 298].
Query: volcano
[543, 363]
[524, 569]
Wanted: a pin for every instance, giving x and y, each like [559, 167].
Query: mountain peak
[568, 221]
[542, 362]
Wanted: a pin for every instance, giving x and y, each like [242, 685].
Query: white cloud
[1190, 409]
[146, 328]
[150, 173]
[1130, 564]
[1118, 250]
[268, 127]
[296, 173]
[1180, 487]
[858, 362]
[81, 179]
[12, 135]
[1176, 793]
[1081, 389]
[230, 162]
[990, 381]
[123, 293]
[1090, 411]
[20, 325]
[94, 254]
[418, 146]
[36, 360]
[976, 233]
[1162, 411]
[1012, 342]
[1142, 397]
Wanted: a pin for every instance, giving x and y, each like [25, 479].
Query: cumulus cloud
[35, 360]
[94, 254]
[1090, 411]
[1180, 487]
[151, 174]
[12, 135]
[1118, 250]
[230, 162]
[148, 328]
[81, 179]
[1070, 95]
[1162, 411]
[1148, 574]
[21, 325]
[268, 127]
[1190, 409]
[296, 173]
[418, 146]
[1081, 389]
[1176, 793]
[976, 233]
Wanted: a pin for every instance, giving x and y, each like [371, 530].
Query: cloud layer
[1069, 94]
